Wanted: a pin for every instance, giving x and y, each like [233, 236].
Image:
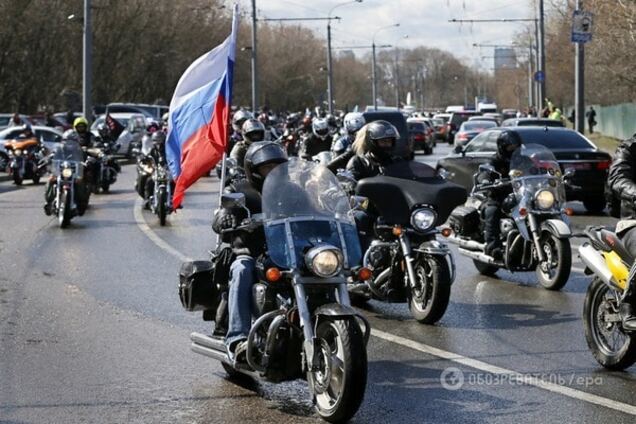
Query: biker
[80, 125]
[332, 123]
[70, 141]
[498, 198]
[152, 155]
[622, 181]
[376, 150]
[26, 132]
[260, 159]
[253, 130]
[238, 119]
[318, 141]
[353, 121]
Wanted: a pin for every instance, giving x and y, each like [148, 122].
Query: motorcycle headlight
[324, 261]
[544, 199]
[67, 172]
[423, 219]
[17, 152]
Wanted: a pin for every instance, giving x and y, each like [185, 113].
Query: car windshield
[438, 122]
[556, 139]
[477, 125]
[416, 126]
[4, 121]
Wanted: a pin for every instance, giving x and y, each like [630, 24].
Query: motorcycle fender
[435, 248]
[337, 310]
[556, 227]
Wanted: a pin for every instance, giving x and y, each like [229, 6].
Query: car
[41, 120]
[509, 113]
[151, 111]
[470, 129]
[63, 117]
[49, 136]
[532, 122]
[421, 135]
[455, 121]
[484, 118]
[571, 149]
[404, 147]
[135, 127]
[498, 116]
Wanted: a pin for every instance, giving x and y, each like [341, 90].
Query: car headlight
[423, 219]
[544, 199]
[324, 261]
[17, 152]
[67, 172]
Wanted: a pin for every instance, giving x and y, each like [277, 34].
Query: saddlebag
[197, 290]
[464, 220]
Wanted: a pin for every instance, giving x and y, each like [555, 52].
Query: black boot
[627, 316]
[494, 249]
[47, 209]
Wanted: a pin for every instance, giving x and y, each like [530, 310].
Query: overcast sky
[424, 21]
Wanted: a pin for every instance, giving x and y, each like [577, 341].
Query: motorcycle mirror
[569, 172]
[360, 203]
[233, 200]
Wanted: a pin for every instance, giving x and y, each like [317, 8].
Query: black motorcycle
[25, 159]
[161, 201]
[304, 325]
[103, 165]
[408, 263]
[67, 168]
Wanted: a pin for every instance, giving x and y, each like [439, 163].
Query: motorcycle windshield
[303, 207]
[68, 151]
[533, 171]
[409, 170]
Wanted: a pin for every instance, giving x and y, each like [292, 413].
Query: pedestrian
[572, 117]
[591, 119]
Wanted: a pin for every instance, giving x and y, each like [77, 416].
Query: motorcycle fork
[534, 230]
[407, 253]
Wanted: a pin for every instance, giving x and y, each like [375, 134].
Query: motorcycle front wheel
[430, 298]
[64, 210]
[554, 272]
[17, 178]
[161, 206]
[609, 344]
[340, 382]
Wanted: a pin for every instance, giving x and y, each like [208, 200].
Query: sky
[424, 22]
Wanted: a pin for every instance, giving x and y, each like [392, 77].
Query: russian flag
[199, 115]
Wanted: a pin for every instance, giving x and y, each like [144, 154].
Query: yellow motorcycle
[606, 257]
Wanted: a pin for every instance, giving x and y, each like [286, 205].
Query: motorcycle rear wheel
[429, 300]
[340, 383]
[610, 346]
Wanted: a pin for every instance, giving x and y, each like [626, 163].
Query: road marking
[493, 369]
[145, 228]
[430, 350]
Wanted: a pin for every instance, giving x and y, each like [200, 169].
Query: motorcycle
[25, 157]
[161, 201]
[103, 165]
[304, 325]
[605, 257]
[67, 169]
[535, 233]
[407, 263]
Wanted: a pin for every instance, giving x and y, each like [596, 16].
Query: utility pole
[579, 72]
[254, 65]
[373, 65]
[87, 83]
[541, 42]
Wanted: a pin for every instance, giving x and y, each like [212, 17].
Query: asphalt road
[91, 330]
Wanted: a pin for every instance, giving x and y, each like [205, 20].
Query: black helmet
[103, 130]
[240, 117]
[381, 130]
[320, 128]
[253, 130]
[507, 142]
[332, 123]
[158, 138]
[259, 154]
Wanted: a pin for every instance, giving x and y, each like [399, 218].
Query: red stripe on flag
[203, 150]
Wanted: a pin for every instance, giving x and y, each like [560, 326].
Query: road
[91, 330]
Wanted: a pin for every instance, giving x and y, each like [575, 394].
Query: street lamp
[329, 65]
[87, 58]
[373, 72]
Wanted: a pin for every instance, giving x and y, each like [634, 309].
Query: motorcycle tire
[561, 248]
[64, 211]
[161, 206]
[435, 274]
[485, 269]
[105, 187]
[343, 339]
[613, 358]
[36, 179]
[17, 178]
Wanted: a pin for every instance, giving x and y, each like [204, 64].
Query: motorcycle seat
[612, 240]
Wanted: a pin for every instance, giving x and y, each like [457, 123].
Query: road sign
[582, 26]
[539, 76]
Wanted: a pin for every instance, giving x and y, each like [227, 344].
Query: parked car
[404, 147]
[421, 135]
[455, 121]
[470, 129]
[135, 127]
[484, 118]
[532, 122]
[571, 149]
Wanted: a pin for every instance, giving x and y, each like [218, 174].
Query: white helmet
[320, 128]
[353, 121]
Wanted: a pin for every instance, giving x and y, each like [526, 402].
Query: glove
[227, 221]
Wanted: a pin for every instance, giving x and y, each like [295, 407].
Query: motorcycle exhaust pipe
[481, 257]
[208, 342]
[596, 262]
[466, 244]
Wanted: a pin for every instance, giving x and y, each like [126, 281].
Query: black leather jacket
[313, 145]
[622, 177]
[367, 165]
[502, 166]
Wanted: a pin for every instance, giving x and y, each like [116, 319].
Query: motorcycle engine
[262, 300]
[506, 225]
[379, 257]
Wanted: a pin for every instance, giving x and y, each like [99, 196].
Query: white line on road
[421, 347]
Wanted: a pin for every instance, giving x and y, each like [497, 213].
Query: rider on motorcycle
[318, 141]
[157, 154]
[353, 121]
[26, 132]
[622, 181]
[376, 151]
[253, 130]
[239, 117]
[80, 125]
[498, 198]
[260, 159]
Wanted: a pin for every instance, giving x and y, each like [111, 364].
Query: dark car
[404, 147]
[570, 148]
[471, 129]
[455, 121]
[532, 122]
[421, 136]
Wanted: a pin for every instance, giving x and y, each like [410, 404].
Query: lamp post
[329, 60]
[373, 64]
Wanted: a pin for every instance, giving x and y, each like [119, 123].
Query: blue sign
[582, 26]
[539, 76]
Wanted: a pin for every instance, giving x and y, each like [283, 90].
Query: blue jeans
[240, 299]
